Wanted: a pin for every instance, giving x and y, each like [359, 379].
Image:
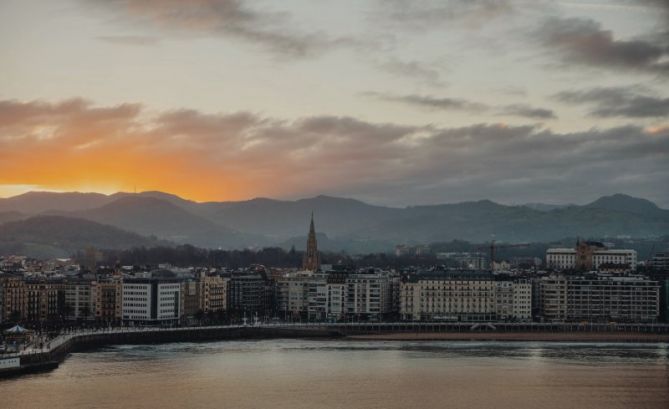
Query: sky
[393, 102]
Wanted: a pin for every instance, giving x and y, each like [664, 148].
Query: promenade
[55, 350]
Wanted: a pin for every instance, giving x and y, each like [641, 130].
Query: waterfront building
[553, 298]
[590, 255]
[368, 295]
[312, 260]
[604, 298]
[213, 293]
[79, 300]
[464, 296]
[250, 293]
[151, 300]
[108, 299]
[600, 298]
[32, 299]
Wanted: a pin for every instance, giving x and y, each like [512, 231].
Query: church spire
[312, 261]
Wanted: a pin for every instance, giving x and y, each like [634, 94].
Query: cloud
[618, 102]
[527, 111]
[414, 70]
[430, 102]
[459, 104]
[232, 18]
[428, 14]
[582, 41]
[129, 40]
[65, 145]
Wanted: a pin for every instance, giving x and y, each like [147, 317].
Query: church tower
[312, 261]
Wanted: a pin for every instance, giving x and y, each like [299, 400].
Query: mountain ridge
[347, 223]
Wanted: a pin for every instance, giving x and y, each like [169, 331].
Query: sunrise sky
[394, 102]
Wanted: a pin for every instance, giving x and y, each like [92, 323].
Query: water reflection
[352, 374]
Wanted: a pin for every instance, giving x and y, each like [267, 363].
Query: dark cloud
[620, 101]
[527, 111]
[234, 18]
[385, 162]
[459, 104]
[582, 41]
[430, 102]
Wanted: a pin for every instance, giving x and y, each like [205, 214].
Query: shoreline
[625, 337]
[48, 360]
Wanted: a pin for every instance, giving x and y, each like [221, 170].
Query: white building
[151, 301]
[599, 258]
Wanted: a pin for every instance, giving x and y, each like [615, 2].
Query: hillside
[56, 236]
[348, 224]
[147, 215]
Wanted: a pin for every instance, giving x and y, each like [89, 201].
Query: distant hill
[11, 216]
[628, 204]
[347, 224]
[56, 236]
[39, 202]
[148, 215]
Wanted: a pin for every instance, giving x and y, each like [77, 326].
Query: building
[213, 293]
[250, 293]
[464, 296]
[599, 298]
[368, 295]
[553, 298]
[151, 301]
[622, 299]
[513, 300]
[660, 261]
[312, 260]
[589, 255]
[79, 300]
[32, 299]
[108, 300]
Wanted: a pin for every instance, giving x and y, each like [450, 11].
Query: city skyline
[392, 103]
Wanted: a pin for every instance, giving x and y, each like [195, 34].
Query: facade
[600, 298]
[660, 261]
[32, 300]
[464, 296]
[250, 293]
[213, 293]
[108, 300]
[79, 300]
[151, 301]
[368, 295]
[591, 256]
[623, 299]
[553, 298]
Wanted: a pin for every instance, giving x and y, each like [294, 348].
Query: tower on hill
[312, 261]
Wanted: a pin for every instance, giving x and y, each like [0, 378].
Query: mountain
[628, 204]
[38, 202]
[347, 224]
[286, 219]
[10, 216]
[57, 236]
[545, 207]
[151, 216]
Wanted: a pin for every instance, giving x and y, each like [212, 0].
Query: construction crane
[492, 248]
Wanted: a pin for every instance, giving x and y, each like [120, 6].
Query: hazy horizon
[294, 199]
